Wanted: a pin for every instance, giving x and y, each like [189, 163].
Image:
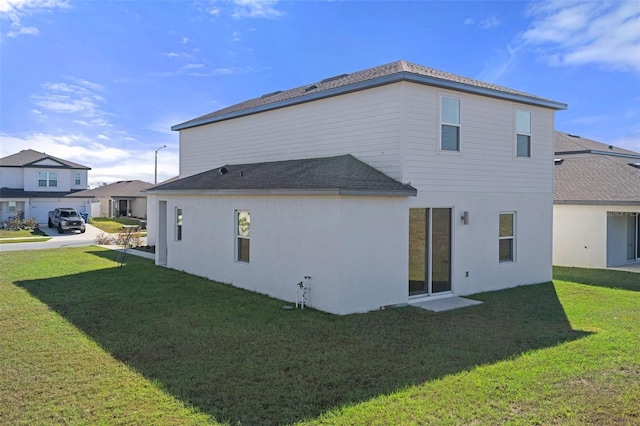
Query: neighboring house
[387, 186]
[124, 198]
[596, 208]
[35, 183]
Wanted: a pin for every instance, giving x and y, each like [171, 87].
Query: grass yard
[85, 342]
[112, 225]
[21, 233]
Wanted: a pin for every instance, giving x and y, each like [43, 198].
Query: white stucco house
[35, 183]
[118, 199]
[388, 186]
[596, 204]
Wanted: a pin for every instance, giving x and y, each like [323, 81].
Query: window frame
[49, 178]
[520, 132]
[511, 237]
[179, 216]
[443, 123]
[242, 238]
[77, 178]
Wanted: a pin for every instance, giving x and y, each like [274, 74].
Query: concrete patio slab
[446, 304]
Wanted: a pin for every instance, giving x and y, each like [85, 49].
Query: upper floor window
[77, 178]
[523, 133]
[47, 179]
[178, 224]
[243, 223]
[450, 124]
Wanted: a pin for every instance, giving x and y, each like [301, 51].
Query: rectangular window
[507, 237]
[450, 124]
[47, 179]
[76, 178]
[243, 223]
[12, 207]
[178, 224]
[523, 133]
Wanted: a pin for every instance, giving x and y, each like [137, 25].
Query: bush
[105, 239]
[30, 223]
[134, 239]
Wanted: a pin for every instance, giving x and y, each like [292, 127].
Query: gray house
[596, 204]
[35, 182]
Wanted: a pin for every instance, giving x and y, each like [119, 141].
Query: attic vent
[337, 77]
[270, 94]
[558, 161]
[573, 136]
[636, 165]
[223, 171]
[308, 88]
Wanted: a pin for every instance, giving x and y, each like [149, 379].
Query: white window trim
[515, 120]
[512, 237]
[238, 236]
[48, 179]
[178, 227]
[442, 122]
[77, 178]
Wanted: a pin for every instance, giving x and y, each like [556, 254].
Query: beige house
[382, 187]
[119, 199]
[596, 210]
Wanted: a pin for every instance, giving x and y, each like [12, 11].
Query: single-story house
[596, 210]
[35, 183]
[392, 185]
[118, 199]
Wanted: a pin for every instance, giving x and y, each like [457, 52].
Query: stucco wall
[581, 238]
[475, 245]
[354, 248]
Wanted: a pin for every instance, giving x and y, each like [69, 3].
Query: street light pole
[156, 174]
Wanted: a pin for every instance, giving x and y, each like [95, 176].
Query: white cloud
[469, 21]
[583, 32]
[256, 9]
[74, 98]
[17, 10]
[490, 22]
[108, 164]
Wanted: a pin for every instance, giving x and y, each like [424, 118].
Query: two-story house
[388, 186]
[34, 182]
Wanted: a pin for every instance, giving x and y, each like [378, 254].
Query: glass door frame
[428, 265]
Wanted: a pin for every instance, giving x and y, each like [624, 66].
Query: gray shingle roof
[27, 157]
[372, 77]
[21, 193]
[125, 188]
[591, 173]
[344, 175]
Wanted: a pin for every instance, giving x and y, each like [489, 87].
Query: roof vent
[223, 171]
[610, 146]
[558, 161]
[271, 94]
[308, 88]
[337, 77]
[636, 165]
[573, 136]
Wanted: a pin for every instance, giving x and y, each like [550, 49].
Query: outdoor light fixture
[155, 181]
[465, 218]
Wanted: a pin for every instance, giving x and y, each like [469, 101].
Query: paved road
[68, 239]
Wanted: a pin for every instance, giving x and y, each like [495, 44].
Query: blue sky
[102, 82]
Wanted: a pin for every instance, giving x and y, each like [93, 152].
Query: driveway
[68, 239]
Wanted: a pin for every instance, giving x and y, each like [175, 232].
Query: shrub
[30, 223]
[133, 239]
[105, 239]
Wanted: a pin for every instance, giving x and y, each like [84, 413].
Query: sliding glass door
[429, 251]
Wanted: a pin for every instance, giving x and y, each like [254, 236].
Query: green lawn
[85, 342]
[21, 233]
[112, 225]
